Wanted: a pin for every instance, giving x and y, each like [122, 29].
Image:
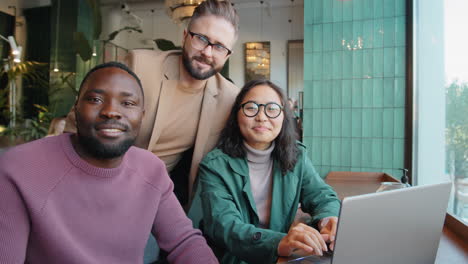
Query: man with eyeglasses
[187, 99]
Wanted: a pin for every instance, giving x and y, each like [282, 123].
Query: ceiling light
[181, 10]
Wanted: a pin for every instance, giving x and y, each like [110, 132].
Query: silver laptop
[399, 226]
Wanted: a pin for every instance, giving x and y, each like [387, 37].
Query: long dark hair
[285, 152]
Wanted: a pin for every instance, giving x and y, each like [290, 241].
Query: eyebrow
[95, 90]
[100, 91]
[127, 94]
[270, 102]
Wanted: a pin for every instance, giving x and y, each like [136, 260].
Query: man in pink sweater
[91, 197]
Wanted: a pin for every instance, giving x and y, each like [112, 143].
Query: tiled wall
[354, 84]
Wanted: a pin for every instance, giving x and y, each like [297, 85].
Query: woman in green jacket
[253, 182]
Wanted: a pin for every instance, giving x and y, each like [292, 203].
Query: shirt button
[257, 236]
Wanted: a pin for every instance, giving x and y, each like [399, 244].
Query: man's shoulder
[148, 165]
[140, 155]
[36, 149]
[225, 84]
[226, 90]
[36, 167]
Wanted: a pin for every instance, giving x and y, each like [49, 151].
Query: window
[441, 98]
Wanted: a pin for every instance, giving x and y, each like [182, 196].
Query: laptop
[398, 226]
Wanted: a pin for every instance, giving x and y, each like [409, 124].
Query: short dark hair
[112, 64]
[286, 150]
[217, 8]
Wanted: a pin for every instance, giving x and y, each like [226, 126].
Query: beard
[193, 71]
[94, 147]
[99, 150]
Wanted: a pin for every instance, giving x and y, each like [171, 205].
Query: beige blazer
[159, 73]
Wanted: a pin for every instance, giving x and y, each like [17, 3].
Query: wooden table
[452, 248]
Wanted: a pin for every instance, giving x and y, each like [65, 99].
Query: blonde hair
[223, 9]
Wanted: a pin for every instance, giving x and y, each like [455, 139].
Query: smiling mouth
[111, 129]
[110, 132]
[203, 64]
[261, 129]
[202, 61]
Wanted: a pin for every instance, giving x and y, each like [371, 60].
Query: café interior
[380, 86]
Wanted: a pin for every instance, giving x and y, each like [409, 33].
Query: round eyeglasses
[200, 42]
[251, 109]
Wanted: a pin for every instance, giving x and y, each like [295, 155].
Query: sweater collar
[81, 164]
[256, 155]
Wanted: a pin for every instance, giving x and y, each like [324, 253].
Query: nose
[207, 51]
[261, 116]
[110, 110]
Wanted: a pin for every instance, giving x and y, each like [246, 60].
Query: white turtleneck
[260, 172]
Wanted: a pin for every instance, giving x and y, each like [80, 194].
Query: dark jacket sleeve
[223, 220]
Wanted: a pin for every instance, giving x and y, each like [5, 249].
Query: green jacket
[229, 213]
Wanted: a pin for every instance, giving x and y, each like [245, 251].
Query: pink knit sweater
[57, 208]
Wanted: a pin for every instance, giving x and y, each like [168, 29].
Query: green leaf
[164, 44]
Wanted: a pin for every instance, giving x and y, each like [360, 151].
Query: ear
[72, 113]
[185, 36]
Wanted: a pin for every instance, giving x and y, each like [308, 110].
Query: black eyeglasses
[200, 42]
[251, 109]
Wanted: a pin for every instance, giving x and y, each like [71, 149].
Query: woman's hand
[303, 237]
[327, 227]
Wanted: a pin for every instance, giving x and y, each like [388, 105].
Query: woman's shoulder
[301, 147]
[216, 155]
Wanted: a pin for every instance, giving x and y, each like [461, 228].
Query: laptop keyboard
[325, 259]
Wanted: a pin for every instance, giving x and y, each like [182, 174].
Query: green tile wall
[354, 84]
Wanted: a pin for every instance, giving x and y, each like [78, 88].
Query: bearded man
[92, 197]
[187, 99]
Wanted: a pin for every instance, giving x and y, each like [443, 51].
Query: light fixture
[181, 10]
[16, 52]
[15, 49]
[56, 68]
[94, 50]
